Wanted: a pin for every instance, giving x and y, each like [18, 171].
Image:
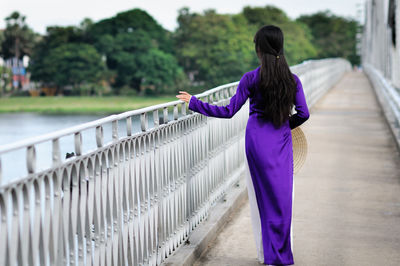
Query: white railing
[389, 98]
[135, 199]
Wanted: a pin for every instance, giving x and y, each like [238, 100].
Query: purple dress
[269, 165]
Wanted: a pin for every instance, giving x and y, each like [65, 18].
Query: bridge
[137, 198]
[168, 187]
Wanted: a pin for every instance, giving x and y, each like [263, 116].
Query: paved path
[347, 196]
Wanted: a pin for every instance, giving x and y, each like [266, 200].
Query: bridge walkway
[347, 196]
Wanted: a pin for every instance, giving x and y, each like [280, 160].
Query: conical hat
[299, 149]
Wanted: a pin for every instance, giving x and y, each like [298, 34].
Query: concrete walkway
[347, 196]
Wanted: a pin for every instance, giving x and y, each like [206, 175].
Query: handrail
[71, 130]
[388, 97]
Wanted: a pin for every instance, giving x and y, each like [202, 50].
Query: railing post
[99, 136]
[115, 130]
[165, 115]
[31, 159]
[56, 152]
[129, 126]
[78, 143]
[143, 122]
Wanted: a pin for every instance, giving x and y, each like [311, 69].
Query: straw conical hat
[299, 149]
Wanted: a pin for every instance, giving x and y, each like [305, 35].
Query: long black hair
[276, 80]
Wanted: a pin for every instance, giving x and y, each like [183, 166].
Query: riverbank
[79, 105]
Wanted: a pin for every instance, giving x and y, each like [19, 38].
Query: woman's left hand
[184, 96]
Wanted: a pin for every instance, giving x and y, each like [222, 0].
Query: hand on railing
[184, 96]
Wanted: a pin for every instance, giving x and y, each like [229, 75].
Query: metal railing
[389, 98]
[135, 199]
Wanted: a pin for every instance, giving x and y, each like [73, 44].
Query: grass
[80, 105]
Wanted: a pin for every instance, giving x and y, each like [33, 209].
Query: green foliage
[138, 50]
[44, 58]
[132, 53]
[1, 41]
[17, 39]
[333, 36]
[5, 80]
[297, 39]
[69, 64]
[260, 16]
[213, 48]
[160, 71]
[131, 21]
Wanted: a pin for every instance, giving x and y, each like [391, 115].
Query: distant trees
[298, 44]
[213, 49]
[16, 41]
[18, 38]
[333, 36]
[131, 53]
[62, 58]
[71, 64]
[216, 49]
[139, 50]
[1, 41]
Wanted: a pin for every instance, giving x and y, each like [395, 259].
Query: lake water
[19, 126]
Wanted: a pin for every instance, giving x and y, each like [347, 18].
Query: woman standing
[273, 91]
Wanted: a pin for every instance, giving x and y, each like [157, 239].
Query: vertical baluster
[74, 194]
[31, 159]
[89, 222]
[155, 118]
[183, 108]
[99, 136]
[35, 224]
[176, 114]
[125, 206]
[165, 115]
[129, 126]
[143, 122]
[83, 234]
[45, 224]
[56, 152]
[24, 235]
[148, 198]
[115, 130]
[3, 230]
[78, 143]
[56, 210]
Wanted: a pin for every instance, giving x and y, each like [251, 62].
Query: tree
[131, 42]
[159, 70]
[131, 21]
[71, 64]
[18, 37]
[138, 62]
[56, 36]
[213, 49]
[298, 44]
[333, 36]
[1, 41]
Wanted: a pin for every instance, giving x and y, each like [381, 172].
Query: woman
[273, 91]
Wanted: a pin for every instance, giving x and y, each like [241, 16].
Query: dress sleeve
[227, 111]
[302, 113]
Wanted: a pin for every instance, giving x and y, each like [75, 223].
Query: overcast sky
[42, 13]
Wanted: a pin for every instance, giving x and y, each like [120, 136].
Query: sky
[42, 13]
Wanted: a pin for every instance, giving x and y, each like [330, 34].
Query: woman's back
[257, 101]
